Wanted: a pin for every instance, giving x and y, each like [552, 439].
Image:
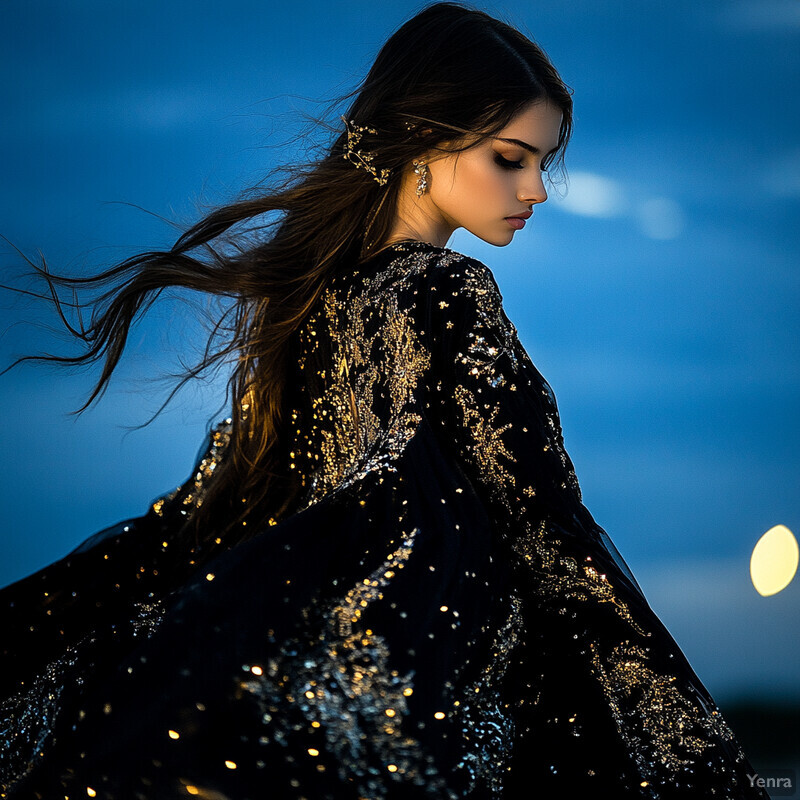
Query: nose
[533, 191]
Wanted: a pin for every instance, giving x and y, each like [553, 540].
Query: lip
[518, 220]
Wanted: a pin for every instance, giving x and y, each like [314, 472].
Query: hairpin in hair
[362, 159]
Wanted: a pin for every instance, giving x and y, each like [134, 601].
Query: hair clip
[362, 159]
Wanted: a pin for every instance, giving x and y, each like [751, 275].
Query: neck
[417, 217]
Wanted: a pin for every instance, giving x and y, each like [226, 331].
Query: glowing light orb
[774, 561]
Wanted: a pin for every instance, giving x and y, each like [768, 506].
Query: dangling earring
[421, 169]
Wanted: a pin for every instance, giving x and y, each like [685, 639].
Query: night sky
[659, 296]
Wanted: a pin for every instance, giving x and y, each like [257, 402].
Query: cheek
[482, 187]
[476, 191]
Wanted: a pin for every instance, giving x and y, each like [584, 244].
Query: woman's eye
[506, 164]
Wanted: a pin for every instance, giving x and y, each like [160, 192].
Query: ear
[428, 155]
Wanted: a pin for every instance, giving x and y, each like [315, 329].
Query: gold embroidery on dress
[647, 704]
[368, 329]
[559, 575]
[490, 451]
[652, 714]
[341, 682]
[190, 495]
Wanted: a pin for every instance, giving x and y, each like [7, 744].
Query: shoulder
[461, 286]
[444, 270]
[414, 274]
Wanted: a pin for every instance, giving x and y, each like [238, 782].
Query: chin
[498, 240]
[490, 232]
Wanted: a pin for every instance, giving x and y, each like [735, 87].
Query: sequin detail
[28, 716]
[487, 722]
[488, 447]
[146, 617]
[340, 679]
[189, 495]
[559, 577]
[363, 416]
[429, 447]
[507, 441]
[661, 726]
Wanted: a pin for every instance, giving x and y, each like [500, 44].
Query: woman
[380, 580]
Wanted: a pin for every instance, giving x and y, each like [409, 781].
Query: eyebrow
[524, 145]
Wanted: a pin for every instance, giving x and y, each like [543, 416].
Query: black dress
[439, 617]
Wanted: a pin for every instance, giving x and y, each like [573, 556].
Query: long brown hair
[449, 70]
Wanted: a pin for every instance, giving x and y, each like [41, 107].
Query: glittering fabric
[439, 616]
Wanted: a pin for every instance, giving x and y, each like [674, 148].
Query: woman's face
[480, 188]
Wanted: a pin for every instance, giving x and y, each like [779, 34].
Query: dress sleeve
[498, 416]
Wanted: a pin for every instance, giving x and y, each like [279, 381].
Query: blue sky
[659, 297]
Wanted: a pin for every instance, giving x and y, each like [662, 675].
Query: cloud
[594, 195]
